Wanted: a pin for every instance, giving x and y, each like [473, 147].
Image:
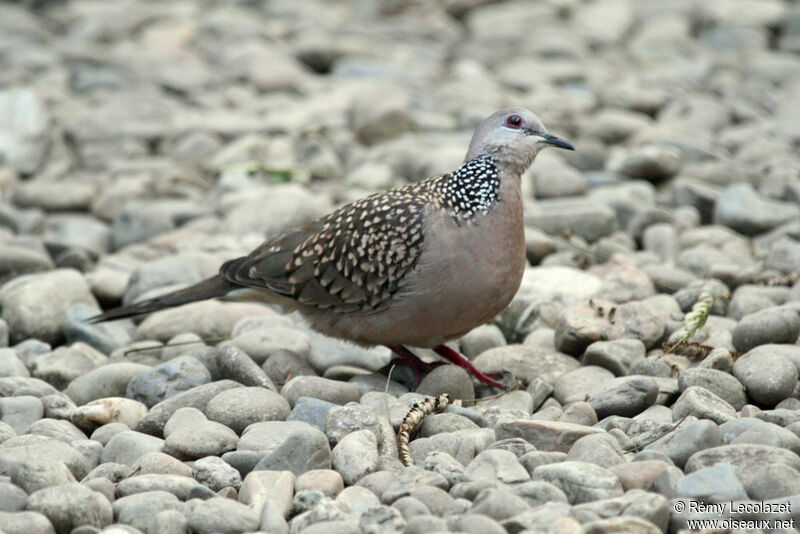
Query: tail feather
[210, 288]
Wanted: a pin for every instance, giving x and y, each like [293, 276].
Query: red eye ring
[514, 121]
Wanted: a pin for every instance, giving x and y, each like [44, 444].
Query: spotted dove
[417, 265]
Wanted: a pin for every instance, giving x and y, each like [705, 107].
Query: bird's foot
[415, 363]
[459, 359]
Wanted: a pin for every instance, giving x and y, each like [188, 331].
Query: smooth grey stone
[463, 445]
[11, 364]
[355, 455]
[39, 463]
[742, 209]
[470, 489]
[235, 364]
[139, 509]
[127, 446]
[71, 505]
[532, 460]
[666, 483]
[449, 379]
[721, 384]
[425, 524]
[103, 434]
[481, 339]
[516, 446]
[498, 503]
[12, 498]
[546, 436]
[108, 380]
[475, 523]
[6, 432]
[779, 416]
[292, 446]
[773, 482]
[25, 522]
[410, 507]
[197, 397]
[626, 399]
[312, 411]
[599, 449]
[686, 440]
[406, 481]
[261, 342]
[445, 465]
[703, 404]
[109, 470]
[772, 325]
[65, 364]
[58, 406]
[198, 491]
[105, 337]
[3, 333]
[34, 305]
[643, 512]
[342, 420]
[733, 429]
[581, 383]
[586, 219]
[654, 163]
[320, 388]
[169, 522]
[160, 463]
[580, 481]
[498, 465]
[222, 515]
[769, 434]
[618, 356]
[240, 407]
[20, 412]
[281, 365]
[718, 483]
[767, 375]
[538, 519]
[176, 484]
[747, 459]
[171, 378]
[376, 382]
[651, 367]
[189, 435]
[91, 450]
[538, 492]
[215, 473]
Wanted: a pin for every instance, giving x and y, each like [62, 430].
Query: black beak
[552, 140]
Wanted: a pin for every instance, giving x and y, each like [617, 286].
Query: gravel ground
[142, 143]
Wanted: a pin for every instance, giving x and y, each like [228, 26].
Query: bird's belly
[459, 286]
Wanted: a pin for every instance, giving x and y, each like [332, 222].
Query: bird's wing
[350, 261]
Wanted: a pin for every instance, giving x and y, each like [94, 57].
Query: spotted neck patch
[471, 189]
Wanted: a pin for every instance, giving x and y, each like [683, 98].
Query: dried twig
[412, 419]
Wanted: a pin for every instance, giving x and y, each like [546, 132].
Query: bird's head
[513, 136]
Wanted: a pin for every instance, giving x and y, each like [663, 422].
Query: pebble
[599, 449]
[355, 455]
[189, 435]
[450, 379]
[688, 439]
[34, 305]
[481, 339]
[548, 436]
[746, 459]
[718, 481]
[617, 356]
[767, 375]
[703, 404]
[138, 510]
[20, 412]
[240, 407]
[581, 384]
[580, 481]
[234, 364]
[287, 445]
[626, 399]
[71, 505]
[221, 515]
[320, 388]
[108, 411]
[155, 419]
[128, 446]
[107, 380]
[497, 465]
[741, 208]
[214, 473]
[178, 485]
[261, 343]
[25, 522]
[771, 325]
[282, 365]
[717, 382]
[177, 375]
[327, 481]
[654, 163]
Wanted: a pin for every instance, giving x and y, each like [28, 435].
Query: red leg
[449, 354]
[415, 363]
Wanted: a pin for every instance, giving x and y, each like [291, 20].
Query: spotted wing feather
[352, 260]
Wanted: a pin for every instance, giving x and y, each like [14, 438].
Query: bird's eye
[514, 121]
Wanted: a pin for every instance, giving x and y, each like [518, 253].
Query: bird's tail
[210, 288]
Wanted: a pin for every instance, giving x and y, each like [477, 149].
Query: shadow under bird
[416, 266]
